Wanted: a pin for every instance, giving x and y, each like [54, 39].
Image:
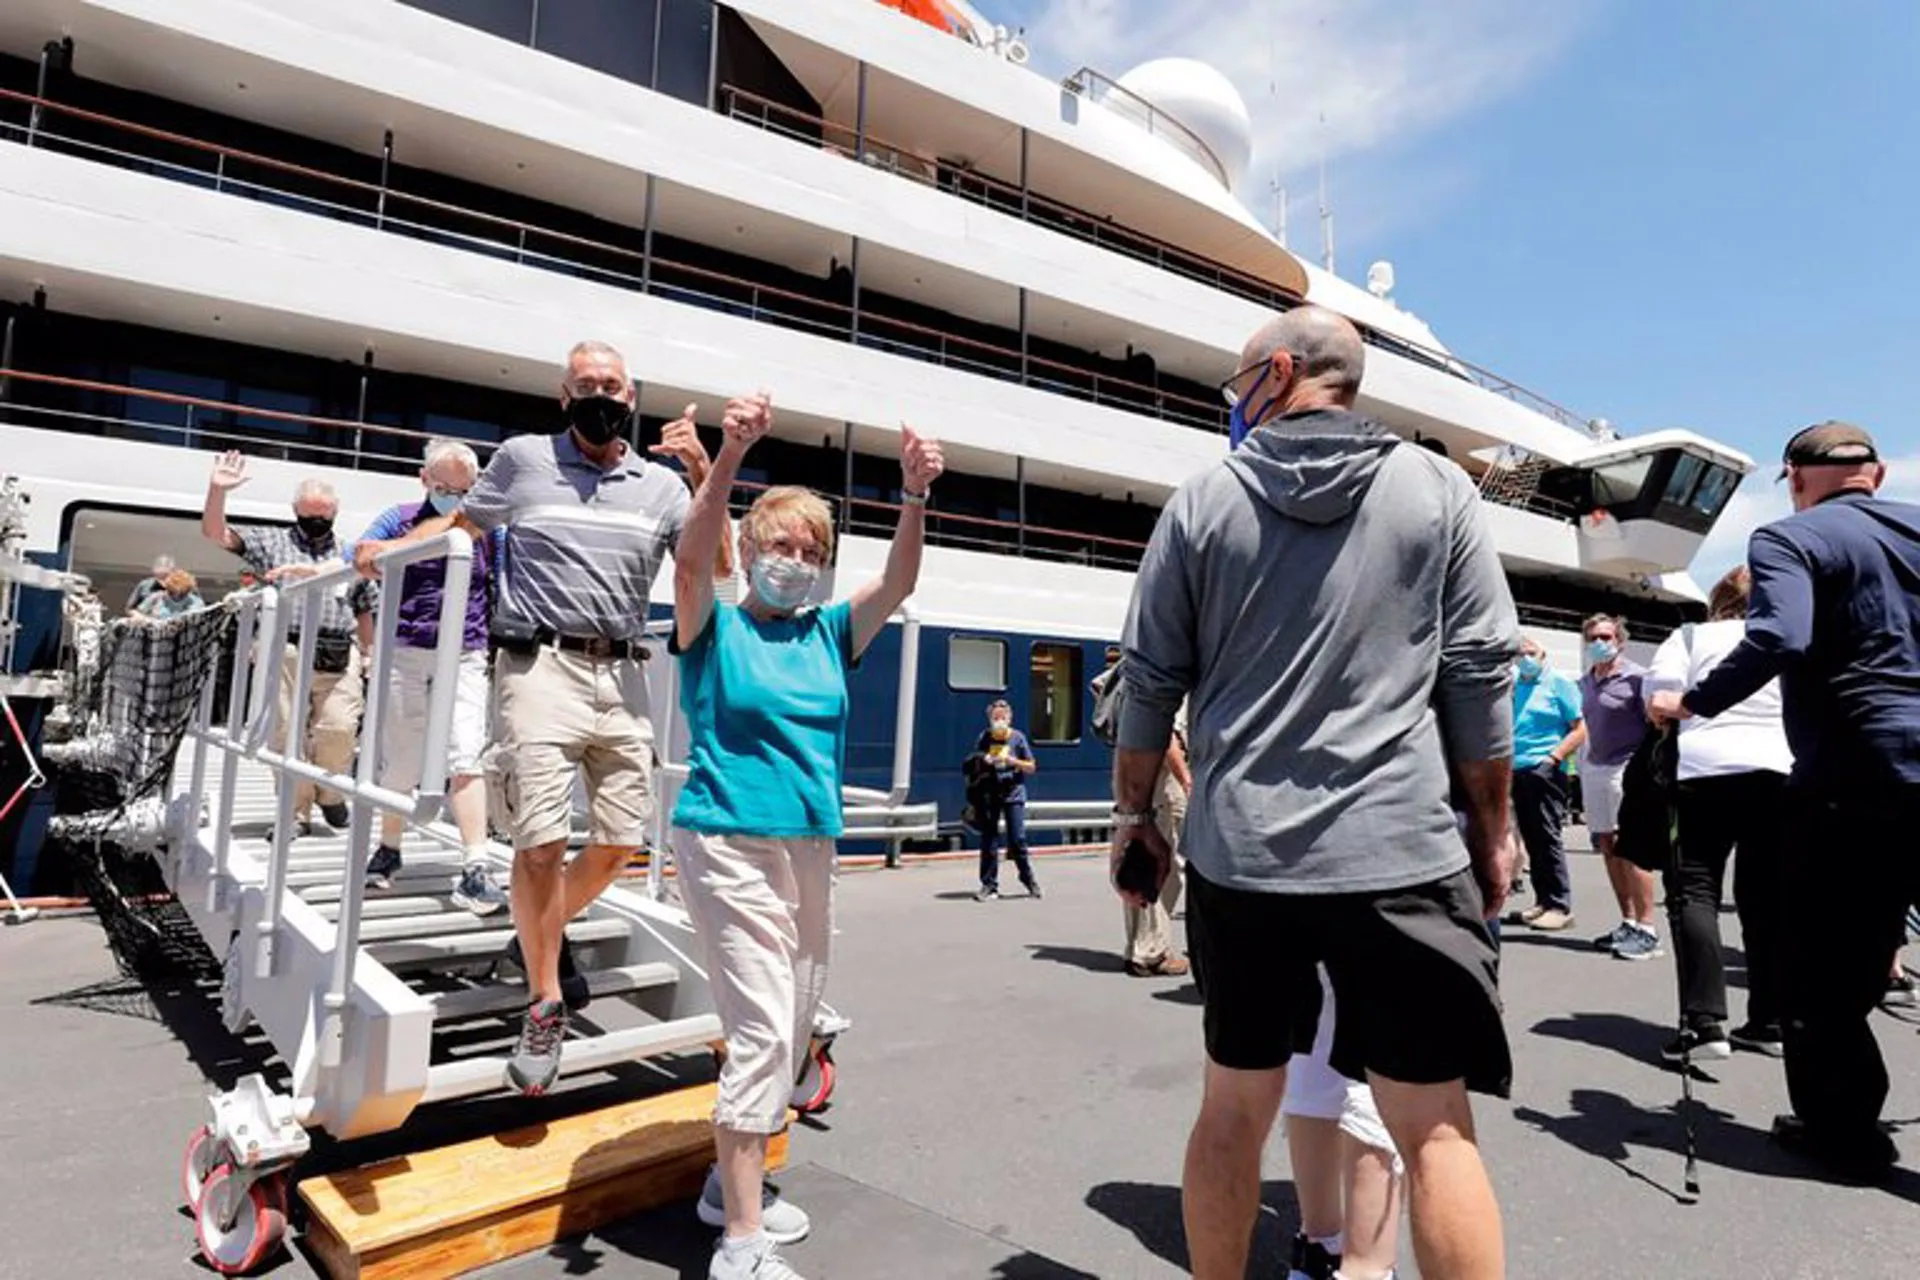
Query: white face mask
[1001, 722]
[782, 582]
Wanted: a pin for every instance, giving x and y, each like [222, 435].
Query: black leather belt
[601, 647]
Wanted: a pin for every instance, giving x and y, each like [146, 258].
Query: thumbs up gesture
[920, 460]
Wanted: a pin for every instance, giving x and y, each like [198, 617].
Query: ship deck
[1011, 1106]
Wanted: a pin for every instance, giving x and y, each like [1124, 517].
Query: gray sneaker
[535, 1063]
[760, 1260]
[477, 891]
[1611, 940]
[1638, 943]
[782, 1221]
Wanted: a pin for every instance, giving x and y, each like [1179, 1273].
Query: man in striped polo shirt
[588, 524]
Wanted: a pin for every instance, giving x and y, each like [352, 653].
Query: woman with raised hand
[764, 688]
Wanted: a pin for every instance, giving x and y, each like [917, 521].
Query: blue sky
[1665, 214]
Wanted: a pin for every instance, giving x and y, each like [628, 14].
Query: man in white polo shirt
[588, 523]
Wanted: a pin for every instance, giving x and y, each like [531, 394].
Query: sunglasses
[1233, 397]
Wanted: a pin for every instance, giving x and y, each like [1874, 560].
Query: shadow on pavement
[1608, 1126]
[1626, 1035]
[1152, 1213]
[1080, 957]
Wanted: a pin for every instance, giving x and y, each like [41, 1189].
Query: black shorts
[1415, 975]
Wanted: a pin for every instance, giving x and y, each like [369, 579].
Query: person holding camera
[1002, 760]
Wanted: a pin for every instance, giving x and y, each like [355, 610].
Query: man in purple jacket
[450, 470]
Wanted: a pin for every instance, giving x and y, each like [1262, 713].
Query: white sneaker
[758, 1259]
[477, 891]
[781, 1221]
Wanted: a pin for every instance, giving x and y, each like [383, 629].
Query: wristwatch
[1133, 817]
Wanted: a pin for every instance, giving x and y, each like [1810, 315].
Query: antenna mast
[1326, 209]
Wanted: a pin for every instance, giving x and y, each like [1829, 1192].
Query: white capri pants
[403, 738]
[1315, 1091]
[1601, 787]
[763, 908]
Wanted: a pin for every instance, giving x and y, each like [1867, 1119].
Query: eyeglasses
[1227, 392]
[583, 388]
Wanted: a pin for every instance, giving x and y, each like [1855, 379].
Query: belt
[601, 647]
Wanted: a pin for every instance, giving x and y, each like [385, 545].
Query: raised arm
[746, 420]
[875, 601]
[229, 473]
[680, 439]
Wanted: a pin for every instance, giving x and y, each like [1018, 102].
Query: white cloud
[1378, 71]
[1760, 501]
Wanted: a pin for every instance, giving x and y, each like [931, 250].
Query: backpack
[1109, 695]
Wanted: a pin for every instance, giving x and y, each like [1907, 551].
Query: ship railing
[622, 267]
[201, 428]
[1012, 199]
[1004, 197]
[1098, 87]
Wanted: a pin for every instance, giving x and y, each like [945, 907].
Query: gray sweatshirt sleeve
[1479, 639]
[1159, 646]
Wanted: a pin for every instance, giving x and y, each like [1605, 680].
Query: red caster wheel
[816, 1082]
[258, 1213]
[203, 1155]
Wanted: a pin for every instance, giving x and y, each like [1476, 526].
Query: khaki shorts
[556, 711]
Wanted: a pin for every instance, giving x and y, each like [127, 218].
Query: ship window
[1714, 490]
[977, 663]
[1054, 693]
[685, 55]
[616, 38]
[508, 19]
[1617, 483]
[1686, 473]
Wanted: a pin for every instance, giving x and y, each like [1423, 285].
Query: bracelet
[912, 499]
[1133, 817]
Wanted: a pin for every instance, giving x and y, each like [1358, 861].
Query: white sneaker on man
[752, 1258]
[781, 1221]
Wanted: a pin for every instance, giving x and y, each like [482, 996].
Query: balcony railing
[1013, 200]
[1099, 88]
[211, 424]
[383, 207]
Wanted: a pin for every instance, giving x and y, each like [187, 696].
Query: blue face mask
[442, 502]
[1530, 667]
[1599, 652]
[1238, 428]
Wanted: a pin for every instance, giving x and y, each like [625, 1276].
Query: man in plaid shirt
[279, 554]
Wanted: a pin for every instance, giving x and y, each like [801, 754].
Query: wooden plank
[446, 1212]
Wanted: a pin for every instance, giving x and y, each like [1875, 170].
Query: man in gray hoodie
[1332, 604]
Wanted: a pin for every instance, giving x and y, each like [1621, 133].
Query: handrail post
[292, 752]
[386, 170]
[245, 639]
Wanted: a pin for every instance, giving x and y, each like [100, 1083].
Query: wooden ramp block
[449, 1211]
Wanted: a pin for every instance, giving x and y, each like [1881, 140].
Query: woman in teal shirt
[764, 688]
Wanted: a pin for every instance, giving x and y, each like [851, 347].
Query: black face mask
[314, 528]
[598, 419]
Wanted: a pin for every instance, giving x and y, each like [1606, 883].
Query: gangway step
[446, 1212]
[377, 907]
[469, 946]
[320, 882]
[469, 1077]
[504, 997]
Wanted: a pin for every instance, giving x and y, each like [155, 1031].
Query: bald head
[1324, 347]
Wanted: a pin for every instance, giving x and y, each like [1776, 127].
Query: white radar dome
[1203, 100]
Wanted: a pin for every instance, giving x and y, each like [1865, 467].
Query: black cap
[1829, 444]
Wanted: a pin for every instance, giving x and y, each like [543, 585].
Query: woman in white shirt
[1732, 775]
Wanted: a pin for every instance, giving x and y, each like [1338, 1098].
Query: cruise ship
[325, 233]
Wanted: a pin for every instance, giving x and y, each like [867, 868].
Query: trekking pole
[1690, 1176]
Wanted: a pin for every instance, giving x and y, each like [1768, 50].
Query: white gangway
[352, 989]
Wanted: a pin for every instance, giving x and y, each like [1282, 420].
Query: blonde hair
[782, 506]
[179, 580]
